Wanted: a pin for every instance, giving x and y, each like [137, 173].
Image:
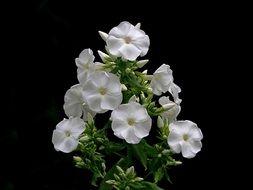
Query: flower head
[65, 136]
[161, 80]
[185, 137]
[102, 92]
[131, 122]
[74, 104]
[172, 113]
[85, 65]
[127, 41]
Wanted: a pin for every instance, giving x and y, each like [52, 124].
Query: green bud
[160, 122]
[90, 119]
[130, 171]
[139, 179]
[120, 169]
[84, 138]
[116, 177]
[111, 182]
[77, 159]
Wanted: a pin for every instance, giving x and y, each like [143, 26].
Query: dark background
[45, 37]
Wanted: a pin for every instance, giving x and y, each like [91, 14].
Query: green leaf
[150, 186]
[140, 153]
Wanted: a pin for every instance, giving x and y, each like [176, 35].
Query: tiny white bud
[104, 56]
[141, 63]
[123, 87]
[134, 99]
[138, 25]
[168, 106]
[145, 71]
[160, 122]
[103, 35]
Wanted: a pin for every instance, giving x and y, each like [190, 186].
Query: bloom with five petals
[161, 80]
[65, 136]
[131, 122]
[85, 65]
[127, 41]
[185, 137]
[102, 92]
[74, 104]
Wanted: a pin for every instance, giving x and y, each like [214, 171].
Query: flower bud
[103, 35]
[123, 87]
[168, 106]
[138, 25]
[160, 122]
[104, 56]
[141, 63]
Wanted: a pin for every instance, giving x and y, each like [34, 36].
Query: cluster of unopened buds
[142, 127]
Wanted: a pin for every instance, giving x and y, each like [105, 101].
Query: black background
[45, 37]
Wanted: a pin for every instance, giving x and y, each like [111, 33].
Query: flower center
[128, 40]
[67, 133]
[102, 90]
[130, 121]
[185, 137]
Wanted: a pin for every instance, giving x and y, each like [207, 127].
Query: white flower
[174, 91]
[127, 41]
[85, 65]
[74, 104]
[131, 122]
[161, 80]
[65, 136]
[172, 113]
[102, 92]
[185, 137]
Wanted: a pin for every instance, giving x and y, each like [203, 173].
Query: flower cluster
[116, 85]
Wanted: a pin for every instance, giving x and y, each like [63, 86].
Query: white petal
[129, 52]
[187, 150]
[114, 44]
[110, 102]
[121, 30]
[73, 101]
[142, 129]
[194, 132]
[94, 102]
[175, 90]
[181, 127]
[130, 136]
[100, 79]
[164, 68]
[113, 84]
[137, 111]
[120, 113]
[119, 126]
[77, 126]
[164, 100]
[135, 34]
[195, 146]
[62, 143]
[63, 125]
[174, 140]
[90, 89]
[143, 44]
[86, 56]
